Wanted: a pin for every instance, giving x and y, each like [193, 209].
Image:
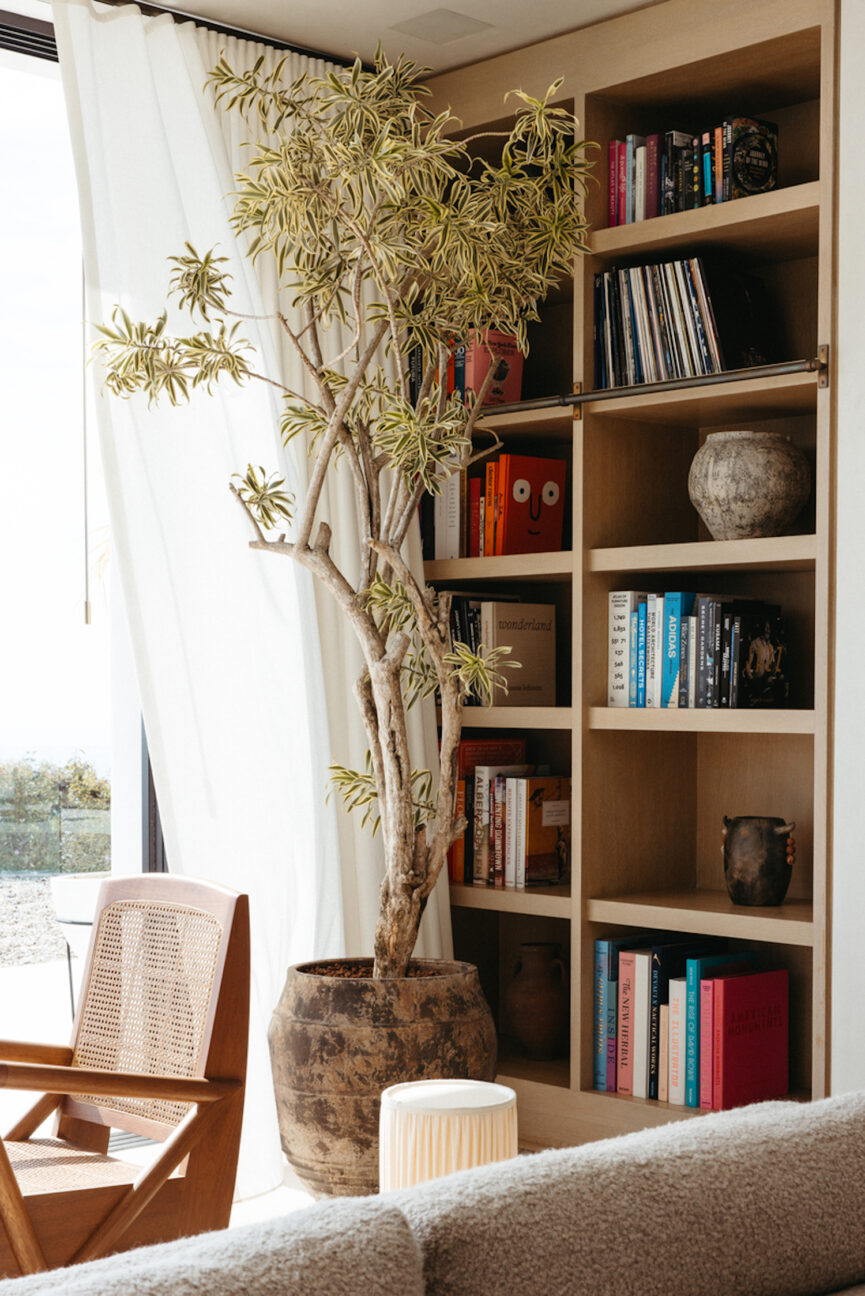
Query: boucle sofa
[765, 1201]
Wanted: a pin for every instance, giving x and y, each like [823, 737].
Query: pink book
[622, 187]
[652, 176]
[474, 517]
[625, 1058]
[707, 1042]
[614, 147]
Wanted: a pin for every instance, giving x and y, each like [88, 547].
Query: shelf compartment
[513, 1066]
[537, 567]
[554, 422]
[518, 717]
[776, 226]
[776, 553]
[708, 913]
[667, 1111]
[546, 902]
[716, 404]
[698, 720]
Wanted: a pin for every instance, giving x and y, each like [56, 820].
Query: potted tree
[380, 220]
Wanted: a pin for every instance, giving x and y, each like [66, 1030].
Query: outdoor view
[54, 671]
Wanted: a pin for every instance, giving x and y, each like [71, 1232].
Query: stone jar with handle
[759, 853]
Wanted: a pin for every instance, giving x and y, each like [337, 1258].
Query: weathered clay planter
[748, 484]
[337, 1042]
[758, 859]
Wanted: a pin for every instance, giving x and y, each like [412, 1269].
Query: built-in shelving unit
[650, 788]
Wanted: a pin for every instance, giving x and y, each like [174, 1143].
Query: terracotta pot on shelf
[746, 485]
[336, 1041]
[537, 1001]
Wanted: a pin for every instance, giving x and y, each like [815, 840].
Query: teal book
[676, 606]
[695, 970]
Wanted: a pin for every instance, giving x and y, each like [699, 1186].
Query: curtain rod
[242, 33]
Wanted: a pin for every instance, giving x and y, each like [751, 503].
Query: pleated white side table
[430, 1128]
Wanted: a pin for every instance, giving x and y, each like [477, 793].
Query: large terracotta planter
[336, 1042]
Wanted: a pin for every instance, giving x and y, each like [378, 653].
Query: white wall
[848, 895]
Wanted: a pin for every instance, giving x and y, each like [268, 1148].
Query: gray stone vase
[747, 485]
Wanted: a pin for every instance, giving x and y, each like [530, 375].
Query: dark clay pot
[758, 859]
[537, 1001]
[337, 1042]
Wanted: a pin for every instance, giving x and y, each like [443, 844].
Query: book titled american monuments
[529, 630]
[751, 1039]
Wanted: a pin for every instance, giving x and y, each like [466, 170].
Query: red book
[490, 509]
[474, 517]
[751, 1027]
[653, 178]
[613, 156]
[625, 1055]
[531, 504]
[489, 751]
[622, 186]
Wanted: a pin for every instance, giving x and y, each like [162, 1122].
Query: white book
[663, 1052]
[446, 518]
[622, 604]
[678, 1018]
[651, 647]
[658, 653]
[640, 183]
[520, 832]
[510, 831]
[692, 661]
[640, 1021]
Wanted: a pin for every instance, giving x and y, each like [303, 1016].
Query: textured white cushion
[342, 1248]
[768, 1200]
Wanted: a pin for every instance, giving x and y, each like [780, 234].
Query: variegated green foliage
[480, 673]
[264, 497]
[359, 791]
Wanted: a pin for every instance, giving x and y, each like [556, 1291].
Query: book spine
[640, 1023]
[641, 654]
[619, 649]
[502, 477]
[707, 1042]
[651, 648]
[469, 853]
[654, 1030]
[677, 1041]
[599, 1070]
[664, 1053]
[625, 1059]
[717, 633]
[489, 510]
[613, 182]
[640, 183]
[629, 178]
[684, 657]
[717, 1046]
[633, 642]
[735, 645]
[670, 662]
[520, 836]
[510, 824]
[459, 846]
[707, 170]
[611, 1002]
[692, 1035]
[622, 187]
[460, 370]
[726, 659]
[718, 163]
[652, 176]
[498, 822]
[474, 517]
[447, 518]
[692, 661]
[728, 142]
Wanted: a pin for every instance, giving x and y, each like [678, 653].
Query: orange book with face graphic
[532, 504]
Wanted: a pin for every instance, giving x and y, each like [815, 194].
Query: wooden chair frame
[206, 1138]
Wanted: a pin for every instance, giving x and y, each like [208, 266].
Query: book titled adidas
[676, 606]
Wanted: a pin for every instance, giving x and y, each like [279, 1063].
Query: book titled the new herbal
[529, 630]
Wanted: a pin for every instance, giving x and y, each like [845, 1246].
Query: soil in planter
[361, 970]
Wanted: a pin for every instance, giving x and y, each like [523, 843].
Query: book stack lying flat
[680, 649]
[684, 1021]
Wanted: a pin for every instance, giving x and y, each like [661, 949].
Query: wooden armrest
[113, 1084]
[25, 1051]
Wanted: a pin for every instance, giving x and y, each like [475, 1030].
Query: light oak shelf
[775, 553]
[708, 913]
[512, 1066]
[778, 226]
[554, 423]
[699, 720]
[671, 1111]
[547, 902]
[717, 404]
[504, 717]
[536, 567]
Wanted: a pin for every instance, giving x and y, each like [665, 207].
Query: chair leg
[19, 1226]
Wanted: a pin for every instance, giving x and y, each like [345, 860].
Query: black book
[703, 650]
[741, 314]
[763, 668]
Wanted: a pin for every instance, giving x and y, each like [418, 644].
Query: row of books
[681, 649]
[513, 504]
[676, 319]
[519, 818]
[468, 365]
[687, 1021]
[528, 629]
[656, 175]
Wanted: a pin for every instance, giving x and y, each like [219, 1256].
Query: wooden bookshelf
[650, 788]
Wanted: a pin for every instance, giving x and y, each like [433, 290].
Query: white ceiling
[346, 27]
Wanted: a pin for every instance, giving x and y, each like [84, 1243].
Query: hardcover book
[621, 604]
[508, 375]
[695, 970]
[625, 1057]
[753, 150]
[529, 630]
[532, 509]
[676, 606]
[677, 1015]
[751, 1039]
[483, 861]
[640, 1022]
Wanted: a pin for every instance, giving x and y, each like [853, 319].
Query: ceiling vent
[441, 26]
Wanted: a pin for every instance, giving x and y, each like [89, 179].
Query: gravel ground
[29, 932]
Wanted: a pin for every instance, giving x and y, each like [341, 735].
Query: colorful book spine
[633, 649]
[640, 182]
[611, 1007]
[652, 176]
[642, 648]
[664, 1054]
[707, 1042]
[677, 1013]
[613, 182]
[599, 983]
[520, 834]
[621, 604]
[474, 517]
[625, 1057]
[676, 605]
[695, 969]
[651, 648]
[751, 1039]
[510, 831]
[622, 187]
[640, 1022]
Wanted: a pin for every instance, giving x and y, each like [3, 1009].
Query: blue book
[641, 654]
[695, 971]
[676, 606]
[634, 635]
[599, 1052]
[611, 1010]
[606, 1000]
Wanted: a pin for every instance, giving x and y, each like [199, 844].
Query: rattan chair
[158, 1049]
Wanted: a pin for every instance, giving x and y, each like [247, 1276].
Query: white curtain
[244, 670]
